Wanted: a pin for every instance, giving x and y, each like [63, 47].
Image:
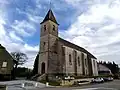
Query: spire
[50, 16]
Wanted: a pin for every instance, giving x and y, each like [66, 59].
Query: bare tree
[20, 58]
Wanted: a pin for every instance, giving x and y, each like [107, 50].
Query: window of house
[44, 27]
[53, 27]
[70, 61]
[4, 64]
[78, 61]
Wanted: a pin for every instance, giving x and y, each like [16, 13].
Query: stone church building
[57, 55]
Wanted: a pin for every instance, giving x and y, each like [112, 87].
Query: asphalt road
[30, 85]
[113, 85]
[18, 85]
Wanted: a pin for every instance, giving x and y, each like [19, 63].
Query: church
[59, 56]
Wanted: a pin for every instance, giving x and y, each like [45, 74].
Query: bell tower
[48, 44]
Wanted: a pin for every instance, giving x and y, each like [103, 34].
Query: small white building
[103, 70]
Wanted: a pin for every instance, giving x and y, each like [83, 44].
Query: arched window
[53, 27]
[85, 62]
[78, 61]
[44, 27]
[70, 61]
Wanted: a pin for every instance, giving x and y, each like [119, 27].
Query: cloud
[31, 52]
[14, 37]
[14, 43]
[35, 19]
[73, 2]
[23, 28]
[31, 15]
[97, 29]
[5, 2]
[82, 4]
[2, 32]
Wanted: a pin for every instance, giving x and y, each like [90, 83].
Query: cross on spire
[50, 4]
[50, 15]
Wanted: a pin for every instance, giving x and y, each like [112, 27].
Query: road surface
[30, 85]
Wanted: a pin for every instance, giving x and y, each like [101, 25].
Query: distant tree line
[111, 65]
[23, 72]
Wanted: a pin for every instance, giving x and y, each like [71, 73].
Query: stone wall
[94, 67]
[48, 47]
[76, 67]
[69, 67]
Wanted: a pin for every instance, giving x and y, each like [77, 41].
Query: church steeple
[48, 41]
[50, 16]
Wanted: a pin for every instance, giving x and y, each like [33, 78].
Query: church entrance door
[43, 68]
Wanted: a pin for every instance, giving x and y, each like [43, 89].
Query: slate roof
[4, 54]
[1, 47]
[69, 44]
[50, 16]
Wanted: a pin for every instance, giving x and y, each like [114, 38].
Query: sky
[91, 24]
